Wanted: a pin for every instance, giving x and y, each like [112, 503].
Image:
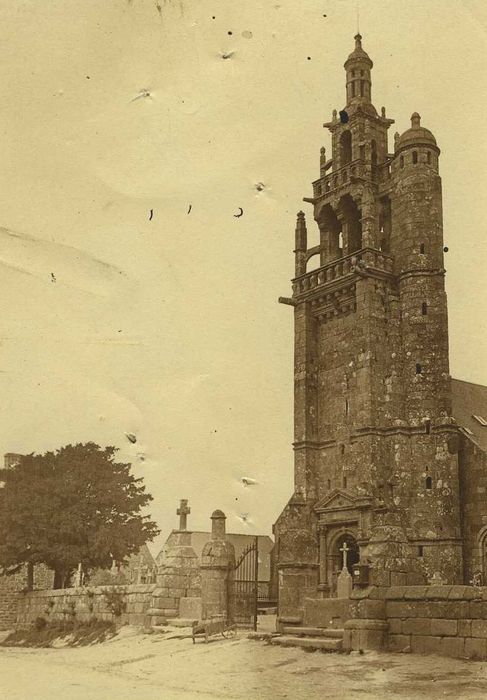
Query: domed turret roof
[218, 514]
[358, 55]
[416, 135]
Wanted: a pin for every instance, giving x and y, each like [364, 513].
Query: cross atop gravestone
[183, 511]
[344, 549]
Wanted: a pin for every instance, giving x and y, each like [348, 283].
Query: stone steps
[327, 632]
[181, 622]
[320, 643]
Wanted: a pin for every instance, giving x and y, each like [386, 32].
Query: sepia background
[133, 300]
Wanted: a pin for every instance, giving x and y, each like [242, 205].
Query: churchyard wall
[445, 620]
[120, 604]
[11, 584]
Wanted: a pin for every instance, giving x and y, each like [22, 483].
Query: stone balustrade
[339, 177]
[362, 260]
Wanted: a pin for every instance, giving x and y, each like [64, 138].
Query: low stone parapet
[122, 604]
[446, 620]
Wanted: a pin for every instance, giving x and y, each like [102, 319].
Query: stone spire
[358, 66]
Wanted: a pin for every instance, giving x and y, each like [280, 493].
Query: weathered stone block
[463, 593]
[395, 592]
[326, 612]
[399, 609]
[395, 625]
[372, 609]
[478, 609]
[475, 648]
[464, 628]
[190, 608]
[159, 602]
[453, 646]
[479, 628]
[444, 628]
[399, 642]
[425, 644]
[417, 626]
[437, 592]
[415, 592]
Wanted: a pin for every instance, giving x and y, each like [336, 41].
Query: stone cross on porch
[344, 581]
[344, 549]
[183, 511]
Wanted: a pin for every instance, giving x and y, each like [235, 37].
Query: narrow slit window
[353, 89]
[329, 484]
[424, 308]
[420, 550]
[429, 482]
[342, 449]
[421, 248]
[428, 157]
[344, 482]
[401, 162]
[419, 369]
[427, 427]
[415, 157]
[347, 407]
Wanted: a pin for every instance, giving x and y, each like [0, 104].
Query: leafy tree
[70, 506]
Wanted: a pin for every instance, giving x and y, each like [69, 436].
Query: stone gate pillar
[217, 570]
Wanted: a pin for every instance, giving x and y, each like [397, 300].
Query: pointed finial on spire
[358, 41]
[415, 120]
[301, 233]
[323, 160]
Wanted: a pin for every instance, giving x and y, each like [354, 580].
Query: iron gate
[244, 586]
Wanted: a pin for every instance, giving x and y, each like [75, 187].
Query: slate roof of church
[470, 400]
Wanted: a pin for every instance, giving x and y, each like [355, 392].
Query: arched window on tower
[429, 482]
[345, 148]
[415, 157]
[353, 88]
[428, 157]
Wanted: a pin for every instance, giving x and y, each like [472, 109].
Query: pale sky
[169, 328]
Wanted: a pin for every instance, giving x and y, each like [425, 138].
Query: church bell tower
[374, 440]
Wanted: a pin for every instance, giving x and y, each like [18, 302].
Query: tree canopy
[75, 505]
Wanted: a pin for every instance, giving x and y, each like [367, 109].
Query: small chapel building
[390, 451]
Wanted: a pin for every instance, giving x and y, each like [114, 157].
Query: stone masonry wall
[11, 585]
[83, 604]
[445, 620]
[473, 490]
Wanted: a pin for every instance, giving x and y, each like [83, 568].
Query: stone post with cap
[217, 571]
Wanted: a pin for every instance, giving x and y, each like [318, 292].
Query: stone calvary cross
[183, 511]
[345, 550]
[344, 581]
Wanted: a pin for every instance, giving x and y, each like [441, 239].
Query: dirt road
[134, 666]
